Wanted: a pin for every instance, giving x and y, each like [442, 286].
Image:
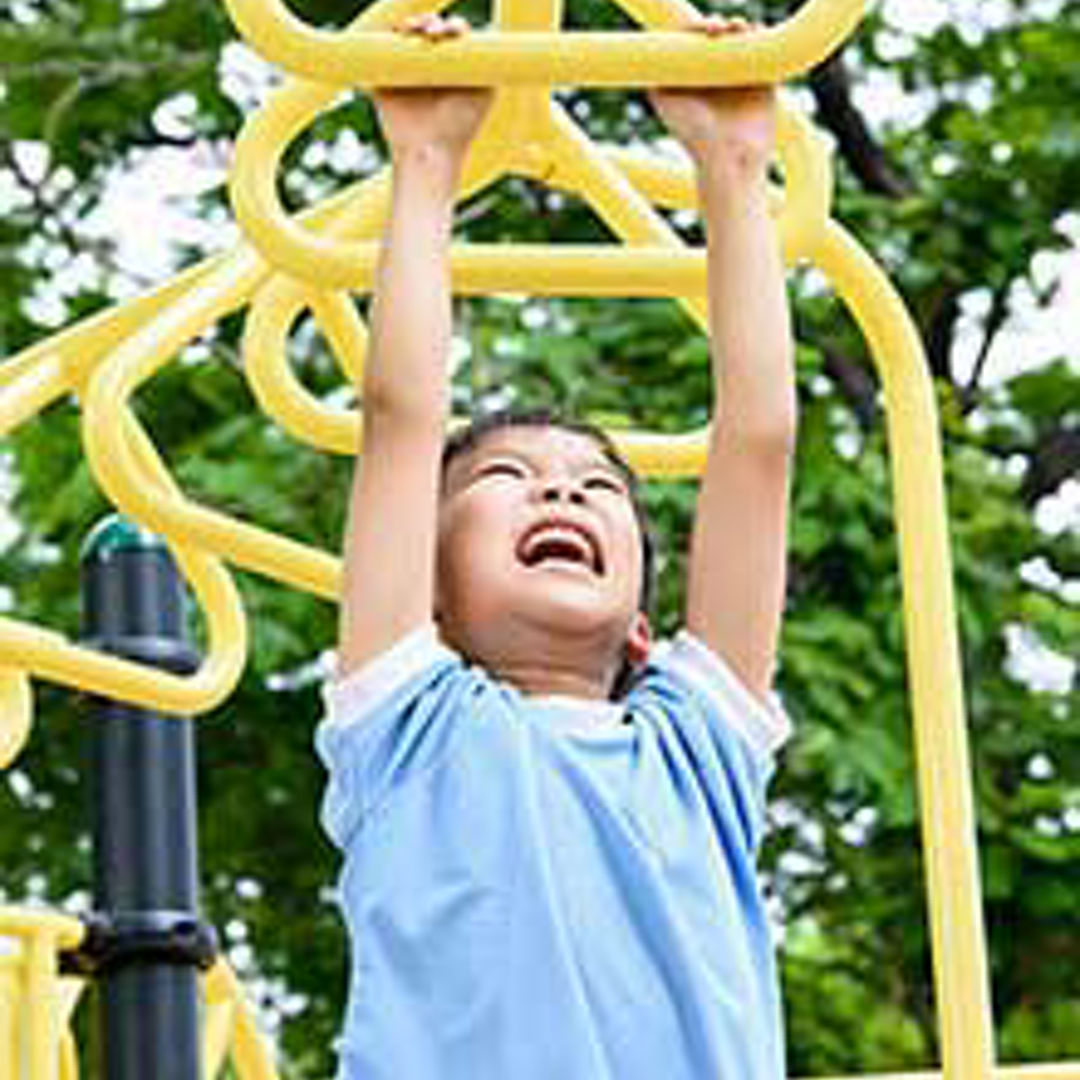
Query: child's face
[538, 536]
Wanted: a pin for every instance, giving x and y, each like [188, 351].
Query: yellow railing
[288, 267]
[37, 1004]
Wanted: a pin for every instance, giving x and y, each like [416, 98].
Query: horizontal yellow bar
[770, 55]
[561, 270]
[25, 922]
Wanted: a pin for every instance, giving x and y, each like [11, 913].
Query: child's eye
[604, 482]
[501, 468]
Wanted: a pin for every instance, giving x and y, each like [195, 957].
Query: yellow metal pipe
[561, 270]
[16, 713]
[34, 1005]
[79, 346]
[325, 260]
[111, 459]
[770, 55]
[31, 390]
[281, 301]
[944, 771]
[65, 931]
[525, 133]
[537, 15]
[68, 991]
[581, 167]
[570, 162]
[48, 654]
[250, 1054]
[69, 1058]
[42, 1049]
[279, 393]
[344, 330]
[42, 652]
[10, 996]
[220, 284]
[51, 656]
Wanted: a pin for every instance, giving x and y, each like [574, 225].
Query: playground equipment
[288, 266]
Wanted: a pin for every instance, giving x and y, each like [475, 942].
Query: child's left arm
[736, 582]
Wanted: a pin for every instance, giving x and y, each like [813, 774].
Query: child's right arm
[391, 531]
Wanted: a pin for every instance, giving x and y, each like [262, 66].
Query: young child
[541, 883]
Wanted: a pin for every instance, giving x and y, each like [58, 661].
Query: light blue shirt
[535, 889]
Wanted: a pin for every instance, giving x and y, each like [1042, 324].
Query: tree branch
[856, 385]
[1055, 459]
[831, 87]
[941, 329]
[995, 319]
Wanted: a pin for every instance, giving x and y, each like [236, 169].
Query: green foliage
[993, 167]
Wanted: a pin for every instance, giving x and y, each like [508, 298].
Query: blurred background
[957, 144]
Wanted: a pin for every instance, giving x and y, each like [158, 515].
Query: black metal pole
[145, 865]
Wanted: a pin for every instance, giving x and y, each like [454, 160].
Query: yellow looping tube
[279, 393]
[346, 58]
[278, 304]
[509, 136]
[808, 184]
[569, 161]
[65, 363]
[337, 317]
[250, 1056]
[50, 655]
[169, 513]
[16, 714]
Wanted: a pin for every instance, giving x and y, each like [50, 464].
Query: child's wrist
[437, 160]
[733, 162]
[727, 177]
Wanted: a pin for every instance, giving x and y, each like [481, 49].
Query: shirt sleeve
[717, 731]
[349, 699]
[762, 724]
[384, 721]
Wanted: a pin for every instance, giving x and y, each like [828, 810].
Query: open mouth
[560, 544]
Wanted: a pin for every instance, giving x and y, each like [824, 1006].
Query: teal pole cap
[117, 533]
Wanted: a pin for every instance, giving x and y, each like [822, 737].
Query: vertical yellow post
[947, 811]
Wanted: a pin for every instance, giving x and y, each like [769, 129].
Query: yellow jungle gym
[288, 266]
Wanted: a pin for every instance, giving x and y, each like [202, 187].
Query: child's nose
[562, 490]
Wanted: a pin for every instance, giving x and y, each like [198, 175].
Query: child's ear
[639, 640]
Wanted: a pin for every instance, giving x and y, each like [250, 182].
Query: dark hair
[480, 427]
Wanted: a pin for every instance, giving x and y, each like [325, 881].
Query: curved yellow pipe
[16, 714]
[278, 304]
[944, 771]
[169, 513]
[513, 139]
[279, 393]
[769, 55]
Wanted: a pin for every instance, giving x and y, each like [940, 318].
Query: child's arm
[391, 531]
[735, 591]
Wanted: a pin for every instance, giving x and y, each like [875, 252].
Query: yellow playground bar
[311, 262]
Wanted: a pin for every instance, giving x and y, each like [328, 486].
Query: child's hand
[440, 119]
[730, 123]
